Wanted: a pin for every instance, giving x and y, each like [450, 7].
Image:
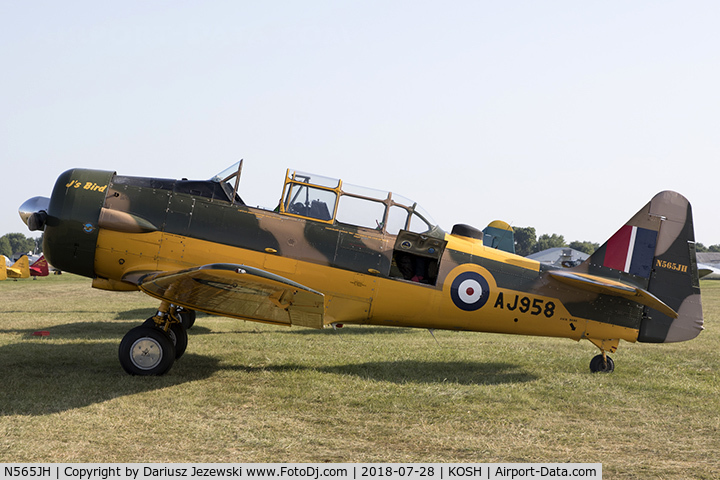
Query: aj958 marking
[524, 304]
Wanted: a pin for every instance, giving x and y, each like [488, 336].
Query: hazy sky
[563, 115]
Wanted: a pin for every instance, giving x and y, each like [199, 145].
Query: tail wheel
[146, 350]
[602, 364]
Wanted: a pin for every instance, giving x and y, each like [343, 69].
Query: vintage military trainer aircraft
[333, 253]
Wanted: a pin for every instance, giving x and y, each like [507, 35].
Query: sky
[565, 116]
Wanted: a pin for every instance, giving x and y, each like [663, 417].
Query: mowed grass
[248, 392]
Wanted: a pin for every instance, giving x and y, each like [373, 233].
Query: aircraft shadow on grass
[41, 377]
[44, 378]
[413, 371]
[418, 371]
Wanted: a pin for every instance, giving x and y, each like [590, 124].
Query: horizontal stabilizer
[239, 291]
[606, 286]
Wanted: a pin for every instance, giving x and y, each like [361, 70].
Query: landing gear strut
[151, 349]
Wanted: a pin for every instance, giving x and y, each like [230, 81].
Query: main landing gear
[153, 347]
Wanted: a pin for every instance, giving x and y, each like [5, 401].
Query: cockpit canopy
[330, 200]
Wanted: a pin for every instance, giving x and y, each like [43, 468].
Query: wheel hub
[146, 353]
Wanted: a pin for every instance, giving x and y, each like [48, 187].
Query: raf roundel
[469, 291]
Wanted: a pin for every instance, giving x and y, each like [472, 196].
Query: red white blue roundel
[469, 291]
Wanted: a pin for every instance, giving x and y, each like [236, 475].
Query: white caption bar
[301, 471]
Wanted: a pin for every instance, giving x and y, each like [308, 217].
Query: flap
[238, 291]
[606, 286]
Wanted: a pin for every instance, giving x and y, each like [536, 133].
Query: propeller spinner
[34, 212]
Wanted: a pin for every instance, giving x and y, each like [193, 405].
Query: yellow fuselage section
[466, 296]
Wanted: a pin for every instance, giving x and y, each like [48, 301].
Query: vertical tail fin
[40, 267]
[20, 269]
[655, 250]
[499, 234]
[3, 268]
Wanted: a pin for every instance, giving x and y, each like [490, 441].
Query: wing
[606, 286]
[238, 291]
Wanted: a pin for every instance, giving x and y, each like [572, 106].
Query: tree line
[527, 242]
[17, 243]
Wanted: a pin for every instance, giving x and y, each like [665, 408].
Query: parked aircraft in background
[708, 272]
[560, 257]
[19, 269]
[709, 265]
[22, 267]
[336, 253]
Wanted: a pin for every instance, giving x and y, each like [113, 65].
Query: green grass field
[247, 392]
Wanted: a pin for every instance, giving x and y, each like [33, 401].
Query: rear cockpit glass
[361, 212]
[418, 224]
[426, 218]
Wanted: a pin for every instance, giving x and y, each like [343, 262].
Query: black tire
[179, 336]
[146, 350]
[599, 364]
[187, 317]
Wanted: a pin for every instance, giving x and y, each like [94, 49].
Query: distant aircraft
[560, 257]
[708, 272]
[22, 268]
[19, 269]
[709, 265]
[335, 253]
[39, 268]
